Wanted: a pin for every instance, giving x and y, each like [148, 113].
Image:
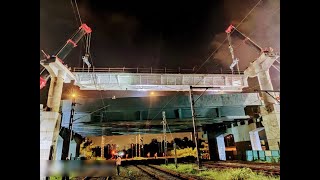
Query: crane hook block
[229, 29]
[85, 60]
[86, 28]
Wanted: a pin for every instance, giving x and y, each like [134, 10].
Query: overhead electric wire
[164, 106]
[273, 13]
[230, 34]
[195, 72]
[87, 47]
[240, 44]
[74, 12]
[78, 11]
[170, 132]
[214, 53]
[79, 22]
[91, 112]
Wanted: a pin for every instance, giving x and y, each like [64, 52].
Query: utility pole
[136, 145]
[73, 104]
[164, 123]
[102, 143]
[141, 139]
[175, 155]
[192, 103]
[139, 146]
[194, 125]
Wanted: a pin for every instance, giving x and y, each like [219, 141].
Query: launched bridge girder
[158, 82]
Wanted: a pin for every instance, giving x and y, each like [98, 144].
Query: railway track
[266, 169]
[158, 174]
[174, 173]
[129, 173]
[137, 174]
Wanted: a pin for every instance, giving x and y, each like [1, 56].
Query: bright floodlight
[121, 153]
[152, 93]
[73, 95]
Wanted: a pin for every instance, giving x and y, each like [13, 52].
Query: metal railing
[155, 70]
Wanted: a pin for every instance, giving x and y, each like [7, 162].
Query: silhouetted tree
[96, 151]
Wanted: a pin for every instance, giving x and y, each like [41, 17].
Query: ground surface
[126, 173]
[210, 170]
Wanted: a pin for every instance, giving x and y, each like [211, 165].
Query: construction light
[121, 153]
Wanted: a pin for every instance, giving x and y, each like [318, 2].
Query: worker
[118, 164]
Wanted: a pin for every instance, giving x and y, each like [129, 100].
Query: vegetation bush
[185, 152]
[226, 174]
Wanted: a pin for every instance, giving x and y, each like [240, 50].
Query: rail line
[158, 174]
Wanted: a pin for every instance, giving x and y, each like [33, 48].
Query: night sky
[131, 34]
[160, 34]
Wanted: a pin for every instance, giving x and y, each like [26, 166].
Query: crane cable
[208, 58]
[235, 61]
[86, 44]
[75, 1]
[87, 47]
[273, 13]
[226, 38]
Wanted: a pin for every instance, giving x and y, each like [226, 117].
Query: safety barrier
[155, 70]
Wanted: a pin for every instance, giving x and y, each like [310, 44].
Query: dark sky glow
[127, 33]
[162, 34]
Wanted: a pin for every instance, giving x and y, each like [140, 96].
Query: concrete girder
[158, 82]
